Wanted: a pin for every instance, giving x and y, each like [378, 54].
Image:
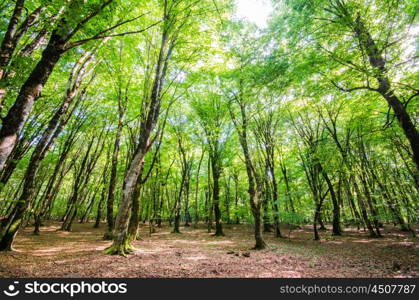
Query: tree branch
[353, 89]
[98, 37]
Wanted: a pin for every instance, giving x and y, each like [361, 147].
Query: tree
[255, 182]
[212, 117]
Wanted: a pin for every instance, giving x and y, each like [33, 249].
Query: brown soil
[195, 253]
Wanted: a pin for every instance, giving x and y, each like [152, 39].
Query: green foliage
[292, 218]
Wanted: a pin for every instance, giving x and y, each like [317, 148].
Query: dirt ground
[195, 253]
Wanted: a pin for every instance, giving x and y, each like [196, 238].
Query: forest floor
[195, 253]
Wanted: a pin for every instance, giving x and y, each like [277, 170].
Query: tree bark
[336, 230]
[216, 195]
[31, 90]
[112, 183]
[254, 181]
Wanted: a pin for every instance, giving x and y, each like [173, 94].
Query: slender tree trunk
[176, 228]
[363, 209]
[254, 181]
[316, 218]
[216, 197]
[236, 197]
[370, 205]
[287, 185]
[265, 205]
[227, 200]
[178, 199]
[275, 204]
[187, 214]
[336, 209]
[208, 200]
[84, 218]
[197, 191]
[99, 209]
[112, 184]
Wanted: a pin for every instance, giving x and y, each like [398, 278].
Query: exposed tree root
[122, 249]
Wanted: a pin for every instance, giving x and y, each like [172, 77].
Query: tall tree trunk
[370, 205]
[187, 214]
[236, 197]
[99, 208]
[287, 185]
[336, 209]
[254, 181]
[216, 196]
[112, 183]
[316, 219]
[275, 203]
[197, 191]
[177, 209]
[364, 213]
[208, 199]
[266, 195]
